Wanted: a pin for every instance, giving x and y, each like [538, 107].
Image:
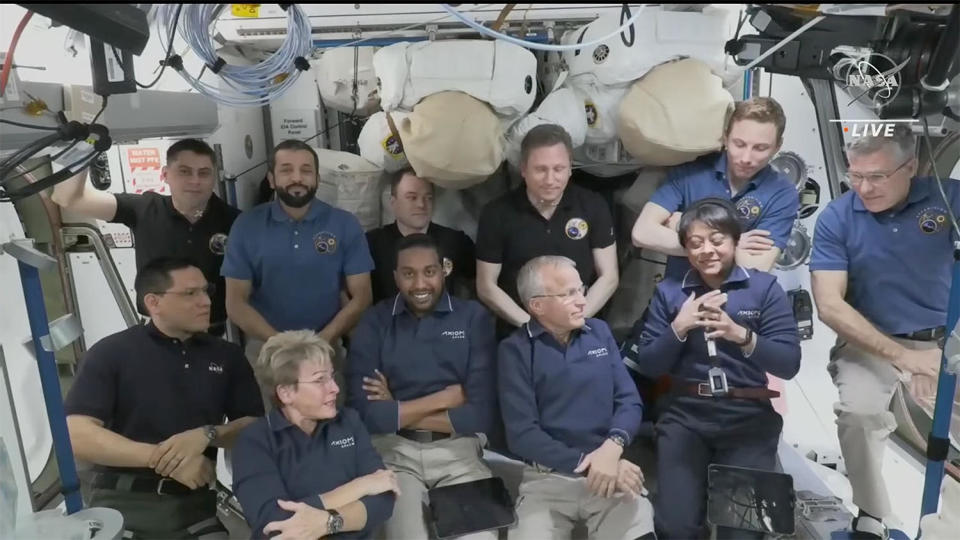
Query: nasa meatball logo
[576, 229]
[393, 146]
[218, 244]
[932, 220]
[325, 243]
[749, 208]
[447, 267]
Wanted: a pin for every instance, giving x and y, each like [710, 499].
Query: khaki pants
[153, 516]
[550, 504]
[252, 351]
[423, 466]
[867, 385]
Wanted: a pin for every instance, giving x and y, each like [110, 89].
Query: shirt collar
[278, 422]
[919, 190]
[317, 209]
[720, 170]
[445, 305]
[155, 332]
[207, 210]
[692, 280]
[523, 201]
[535, 329]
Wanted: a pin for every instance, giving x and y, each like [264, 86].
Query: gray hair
[280, 357]
[530, 281]
[903, 141]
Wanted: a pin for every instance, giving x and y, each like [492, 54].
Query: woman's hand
[719, 325]
[381, 481]
[306, 522]
[691, 313]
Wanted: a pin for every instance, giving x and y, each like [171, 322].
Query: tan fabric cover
[674, 114]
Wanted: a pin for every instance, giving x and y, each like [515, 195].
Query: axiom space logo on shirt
[602, 351]
[345, 442]
[454, 334]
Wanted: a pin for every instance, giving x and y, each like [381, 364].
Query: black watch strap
[748, 339]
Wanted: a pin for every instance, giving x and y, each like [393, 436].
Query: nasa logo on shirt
[576, 229]
[215, 367]
[749, 208]
[932, 220]
[325, 243]
[218, 244]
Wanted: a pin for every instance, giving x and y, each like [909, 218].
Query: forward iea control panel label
[249, 11]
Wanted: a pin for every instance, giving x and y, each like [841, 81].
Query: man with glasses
[147, 408]
[420, 372]
[570, 409]
[881, 277]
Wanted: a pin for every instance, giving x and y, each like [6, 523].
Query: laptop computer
[471, 507]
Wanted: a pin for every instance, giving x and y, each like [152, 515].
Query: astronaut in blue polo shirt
[766, 201]
[716, 331]
[420, 372]
[569, 409]
[881, 278]
[287, 259]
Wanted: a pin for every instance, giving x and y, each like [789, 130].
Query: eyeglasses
[875, 178]
[322, 380]
[209, 290]
[566, 297]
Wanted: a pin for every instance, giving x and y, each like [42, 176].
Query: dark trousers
[683, 454]
[153, 516]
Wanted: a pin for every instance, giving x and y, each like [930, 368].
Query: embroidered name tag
[342, 443]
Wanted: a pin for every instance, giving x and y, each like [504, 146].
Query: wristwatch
[618, 439]
[746, 340]
[211, 432]
[334, 522]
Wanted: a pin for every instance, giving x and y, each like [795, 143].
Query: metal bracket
[432, 30]
[951, 351]
[63, 331]
[24, 251]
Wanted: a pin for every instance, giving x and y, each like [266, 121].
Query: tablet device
[750, 500]
[470, 507]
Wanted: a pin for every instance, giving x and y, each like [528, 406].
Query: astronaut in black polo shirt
[545, 216]
[191, 221]
[411, 199]
[147, 408]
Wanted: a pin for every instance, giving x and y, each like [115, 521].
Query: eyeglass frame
[210, 289]
[883, 177]
[564, 297]
[330, 378]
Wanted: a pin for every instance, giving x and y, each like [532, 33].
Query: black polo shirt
[159, 230]
[147, 386]
[511, 232]
[455, 247]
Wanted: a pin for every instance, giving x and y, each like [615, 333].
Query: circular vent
[797, 250]
[790, 165]
[600, 54]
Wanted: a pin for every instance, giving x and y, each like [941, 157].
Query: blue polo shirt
[755, 301]
[273, 460]
[897, 262]
[561, 403]
[297, 267]
[768, 202]
[454, 344]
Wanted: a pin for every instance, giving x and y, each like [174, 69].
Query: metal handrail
[110, 272]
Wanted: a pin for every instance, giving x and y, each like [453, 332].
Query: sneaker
[868, 528]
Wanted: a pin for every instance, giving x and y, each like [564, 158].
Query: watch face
[335, 523]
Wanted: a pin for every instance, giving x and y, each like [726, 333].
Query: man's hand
[629, 478]
[922, 387]
[377, 388]
[920, 362]
[172, 452]
[603, 466]
[381, 481]
[690, 313]
[194, 472]
[755, 242]
[306, 522]
[328, 336]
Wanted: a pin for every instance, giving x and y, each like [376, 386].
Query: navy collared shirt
[560, 403]
[454, 344]
[755, 301]
[273, 460]
[769, 201]
[297, 267]
[148, 387]
[898, 262]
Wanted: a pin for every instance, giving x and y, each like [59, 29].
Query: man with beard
[288, 258]
[420, 372]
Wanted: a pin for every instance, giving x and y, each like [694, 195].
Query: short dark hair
[713, 212]
[396, 177]
[416, 240]
[155, 277]
[190, 145]
[292, 144]
[761, 109]
[543, 136]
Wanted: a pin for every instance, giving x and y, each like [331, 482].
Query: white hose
[538, 46]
